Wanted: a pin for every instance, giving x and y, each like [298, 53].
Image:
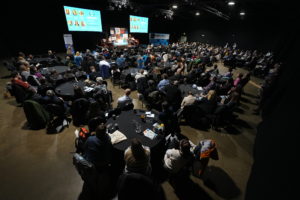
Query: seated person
[17, 79]
[169, 119]
[51, 55]
[137, 158]
[212, 85]
[188, 100]
[80, 74]
[100, 85]
[163, 82]
[125, 99]
[177, 76]
[34, 71]
[139, 75]
[42, 89]
[176, 159]
[94, 74]
[151, 87]
[121, 61]
[173, 95]
[69, 62]
[228, 74]
[136, 186]
[54, 77]
[98, 149]
[51, 98]
[245, 79]
[78, 58]
[225, 86]
[238, 79]
[94, 111]
[214, 71]
[69, 75]
[140, 62]
[78, 92]
[209, 102]
[24, 72]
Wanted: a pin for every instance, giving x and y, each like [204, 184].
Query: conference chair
[20, 93]
[88, 174]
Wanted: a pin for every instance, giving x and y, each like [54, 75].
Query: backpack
[81, 139]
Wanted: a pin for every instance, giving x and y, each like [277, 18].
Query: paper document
[76, 133]
[117, 137]
[150, 134]
[150, 115]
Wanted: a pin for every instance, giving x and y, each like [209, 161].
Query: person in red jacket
[17, 79]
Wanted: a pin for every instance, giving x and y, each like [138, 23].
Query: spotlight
[175, 6]
[231, 3]
[242, 13]
[197, 14]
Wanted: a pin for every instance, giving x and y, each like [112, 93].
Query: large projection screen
[80, 19]
[138, 24]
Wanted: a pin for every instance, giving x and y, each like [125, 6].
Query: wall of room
[263, 33]
[27, 33]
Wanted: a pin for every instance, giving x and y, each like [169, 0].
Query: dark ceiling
[254, 9]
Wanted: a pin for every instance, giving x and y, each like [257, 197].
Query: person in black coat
[169, 119]
[208, 103]
[173, 95]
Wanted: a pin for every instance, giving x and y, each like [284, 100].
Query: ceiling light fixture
[175, 6]
[197, 14]
[231, 3]
[242, 13]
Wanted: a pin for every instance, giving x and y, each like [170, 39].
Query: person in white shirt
[176, 159]
[188, 100]
[104, 62]
[139, 75]
[137, 158]
[104, 68]
[125, 99]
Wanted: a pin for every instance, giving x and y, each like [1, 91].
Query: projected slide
[79, 19]
[118, 36]
[138, 24]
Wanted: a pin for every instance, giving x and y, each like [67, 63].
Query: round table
[41, 60]
[59, 69]
[185, 88]
[67, 89]
[126, 124]
[132, 71]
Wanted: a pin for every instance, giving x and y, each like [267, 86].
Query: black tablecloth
[127, 127]
[67, 89]
[40, 60]
[59, 69]
[185, 88]
[134, 71]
